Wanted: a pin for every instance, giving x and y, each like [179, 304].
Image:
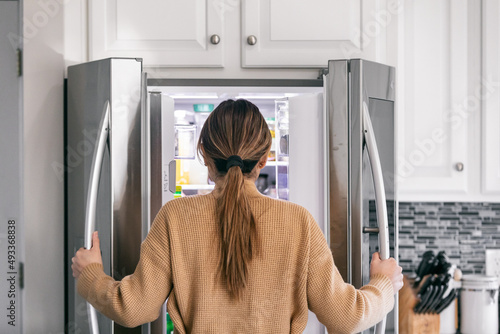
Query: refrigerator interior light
[264, 96]
[195, 96]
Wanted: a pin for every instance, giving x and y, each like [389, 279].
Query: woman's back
[275, 296]
[293, 273]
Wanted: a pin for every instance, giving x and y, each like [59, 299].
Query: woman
[235, 261]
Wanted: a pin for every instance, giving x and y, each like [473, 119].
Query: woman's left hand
[84, 257]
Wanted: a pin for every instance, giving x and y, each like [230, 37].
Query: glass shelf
[197, 186]
[211, 186]
[277, 163]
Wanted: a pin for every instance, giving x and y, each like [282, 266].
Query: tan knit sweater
[294, 273]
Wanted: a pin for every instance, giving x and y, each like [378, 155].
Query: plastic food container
[271, 123]
[185, 141]
[282, 122]
[201, 113]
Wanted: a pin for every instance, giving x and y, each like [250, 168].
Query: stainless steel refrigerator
[124, 132]
[362, 169]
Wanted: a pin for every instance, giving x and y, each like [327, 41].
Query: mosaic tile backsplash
[463, 230]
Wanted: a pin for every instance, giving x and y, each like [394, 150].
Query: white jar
[479, 304]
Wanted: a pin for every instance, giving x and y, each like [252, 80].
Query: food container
[184, 117]
[282, 122]
[201, 113]
[185, 134]
[271, 123]
[479, 304]
[185, 141]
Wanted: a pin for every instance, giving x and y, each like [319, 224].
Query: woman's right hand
[389, 268]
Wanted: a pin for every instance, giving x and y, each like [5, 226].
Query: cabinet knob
[214, 39]
[252, 40]
[459, 166]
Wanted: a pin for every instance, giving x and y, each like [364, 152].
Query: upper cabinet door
[432, 99]
[298, 33]
[490, 94]
[163, 33]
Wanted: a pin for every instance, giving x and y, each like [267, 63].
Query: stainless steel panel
[369, 82]
[154, 111]
[119, 198]
[11, 169]
[88, 90]
[374, 156]
[379, 193]
[349, 84]
[337, 109]
[126, 169]
[145, 155]
[356, 161]
[156, 153]
[383, 111]
[372, 84]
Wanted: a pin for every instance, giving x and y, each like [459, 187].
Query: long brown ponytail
[234, 128]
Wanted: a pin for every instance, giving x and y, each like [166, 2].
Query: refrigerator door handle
[380, 199]
[92, 191]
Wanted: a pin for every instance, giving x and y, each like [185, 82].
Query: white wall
[43, 145]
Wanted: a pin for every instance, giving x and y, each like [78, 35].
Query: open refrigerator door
[160, 166]
[305, 147]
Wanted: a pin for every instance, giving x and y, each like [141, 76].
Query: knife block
[409, 321]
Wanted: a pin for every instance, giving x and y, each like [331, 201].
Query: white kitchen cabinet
[433, 100]
[164, 33]
[284, 33]
[490, 95]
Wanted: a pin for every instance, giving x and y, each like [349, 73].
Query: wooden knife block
[409, 321]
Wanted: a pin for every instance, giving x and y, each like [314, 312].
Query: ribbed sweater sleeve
[338, 305]
[137, 298]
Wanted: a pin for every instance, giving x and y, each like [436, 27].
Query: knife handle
[425, 285]
[425, 298]
[447, 301]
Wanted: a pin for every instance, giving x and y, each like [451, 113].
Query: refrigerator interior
[295, 169]
[191, 174]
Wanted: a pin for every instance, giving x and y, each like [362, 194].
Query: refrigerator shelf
[197, 186]
[277, 163]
